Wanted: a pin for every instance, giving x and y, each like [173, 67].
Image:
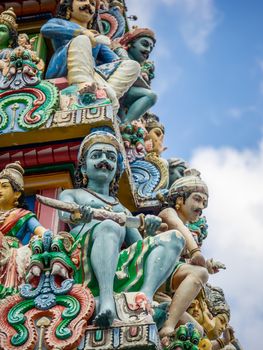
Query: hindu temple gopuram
[100, 236]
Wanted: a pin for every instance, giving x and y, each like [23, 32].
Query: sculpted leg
[124, 76]
[80, 61]
[108, 236]
[187, 283]
[139, 100]
[161, 261]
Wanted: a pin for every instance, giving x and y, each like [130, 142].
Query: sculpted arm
[66, 196]
[170, 217]
[59, 28]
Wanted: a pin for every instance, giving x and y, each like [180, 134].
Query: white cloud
[235, 235]
[239, 112]
[197, 21]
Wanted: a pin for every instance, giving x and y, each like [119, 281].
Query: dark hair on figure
[21, 200]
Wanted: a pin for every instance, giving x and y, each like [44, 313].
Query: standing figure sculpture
[105, 265]
[17, 225]
[77, 46]
[8, 32]
[188, 196]
[139, 43]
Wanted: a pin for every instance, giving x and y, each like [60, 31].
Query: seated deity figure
[138, 43]
[17, 225]
[188, 196]
[8, 32]
[105, 265]
[82, 54]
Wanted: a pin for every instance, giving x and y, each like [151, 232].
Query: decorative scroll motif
[28, 108]
[146, 177]
[162, 167]
[60, 309]
[150, 176]
[113, 23]
[128, 337]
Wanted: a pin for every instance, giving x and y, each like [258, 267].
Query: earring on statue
[85, 179]
[16, 203]
[177, 206]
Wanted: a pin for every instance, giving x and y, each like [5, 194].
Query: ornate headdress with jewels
[8, 18]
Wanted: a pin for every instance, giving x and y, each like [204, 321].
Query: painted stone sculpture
[99, 169]
[139, 43]
[186, 338]
[112, 19]
[8, 33]
[150, 174]
[76, 49]
[50, 309]
[188, 197]
[17, 225]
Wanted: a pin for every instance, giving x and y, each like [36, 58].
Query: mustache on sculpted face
[103, 164]
[86, 7]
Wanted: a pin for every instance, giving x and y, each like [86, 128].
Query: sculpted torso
[83, 197]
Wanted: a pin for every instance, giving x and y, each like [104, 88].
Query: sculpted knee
[152, 96]
[173, 239]
[203, 275]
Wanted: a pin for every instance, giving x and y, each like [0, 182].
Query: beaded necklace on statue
[110, 204]
[4, 214]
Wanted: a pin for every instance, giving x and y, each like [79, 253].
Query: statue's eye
[182, 337]
[195, 341]
[55, 248]
[37, 250]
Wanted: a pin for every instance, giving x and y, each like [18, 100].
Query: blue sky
[209, 80]
[208, 72]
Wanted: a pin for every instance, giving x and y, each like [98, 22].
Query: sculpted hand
[198, 259]
[152, 224]
[214, 266]
[86, 213]
[228, 335]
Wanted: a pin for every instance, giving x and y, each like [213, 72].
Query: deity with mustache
[83, 55]
[104, 264]
[188, 196]
[139, 44]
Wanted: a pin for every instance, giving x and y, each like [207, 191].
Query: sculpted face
[195, 311]
[175, 173]
[4, 36]
[141, 48]
[101, 163]
[83, 11]
[221, 322]
[7, 195]
[191, 210]
[157, 136]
